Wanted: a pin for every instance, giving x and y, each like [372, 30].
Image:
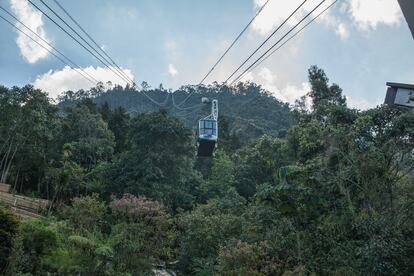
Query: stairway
[24, 207]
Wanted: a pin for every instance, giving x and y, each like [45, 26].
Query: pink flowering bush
[135, 209]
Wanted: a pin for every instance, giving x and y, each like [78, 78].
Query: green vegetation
[290, 191]
[8, 230]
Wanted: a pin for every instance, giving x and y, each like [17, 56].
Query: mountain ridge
[249, 110]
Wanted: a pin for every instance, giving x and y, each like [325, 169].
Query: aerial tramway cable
[75, 39]
[290, 38]
[108, 59]
[184, 108]
[51, 52]
[50, 45]
[234, 42]
[87, 43]
[84, 40]
[266, 40]
[275, 44]
[256, 50]
[93, 40]
[116, 69]
[225, 52]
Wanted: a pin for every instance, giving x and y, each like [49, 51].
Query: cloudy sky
[361, 44]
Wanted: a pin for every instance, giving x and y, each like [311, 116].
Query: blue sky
[361, 44]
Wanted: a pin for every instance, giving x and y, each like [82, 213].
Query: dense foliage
[8, 230]
[249, 110]
[330, 192]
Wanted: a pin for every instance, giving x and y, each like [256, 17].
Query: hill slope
[249, 110]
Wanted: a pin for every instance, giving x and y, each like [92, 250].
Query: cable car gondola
[208, 132]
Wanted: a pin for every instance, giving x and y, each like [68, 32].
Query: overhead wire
[290, 38]
[275, 44]
[51, 52]
[75, 39]
[225, 52]
[50, 45]
[184, 108]
[154, 101]
[266, 40]
[118, 72]
[234, 42]
[164, 103]
[107, 59]
[256, 50]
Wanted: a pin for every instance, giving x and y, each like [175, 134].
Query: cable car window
[208, 127]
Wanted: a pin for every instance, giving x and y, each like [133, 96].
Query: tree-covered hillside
[331, 194]
[249, 110]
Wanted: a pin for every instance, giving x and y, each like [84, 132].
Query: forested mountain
[249, 110]
[325, 191]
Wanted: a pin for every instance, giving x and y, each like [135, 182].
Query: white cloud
[292, 92]
[267, 75]
[132, 13]
[289, 93]
[277, 11]
[272, 15]
[365, 14]
[248, 77]
[342, 31]
[172, 70]
[56, 82]
[370, 13]
[29, 49]
[360, 103]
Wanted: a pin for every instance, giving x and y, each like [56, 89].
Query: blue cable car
[208, 132]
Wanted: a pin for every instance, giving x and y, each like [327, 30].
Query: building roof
[400, 85]
[407, 7]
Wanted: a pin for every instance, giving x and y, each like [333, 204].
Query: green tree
[86, 213]
[321, 93]
[221, 177]
[28, 125]
[89, 136]
[8, 230]
[36, 241]
[119, 124]
[206, 229]
[241, 258]
[159, 163]
[256, 164]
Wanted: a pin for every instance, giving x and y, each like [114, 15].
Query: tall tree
[89, 136]
[159, 163]
[322, 94]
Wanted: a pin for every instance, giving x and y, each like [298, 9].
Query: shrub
[8, 230]
[86, 212]
[132, 208]
[36, 242]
